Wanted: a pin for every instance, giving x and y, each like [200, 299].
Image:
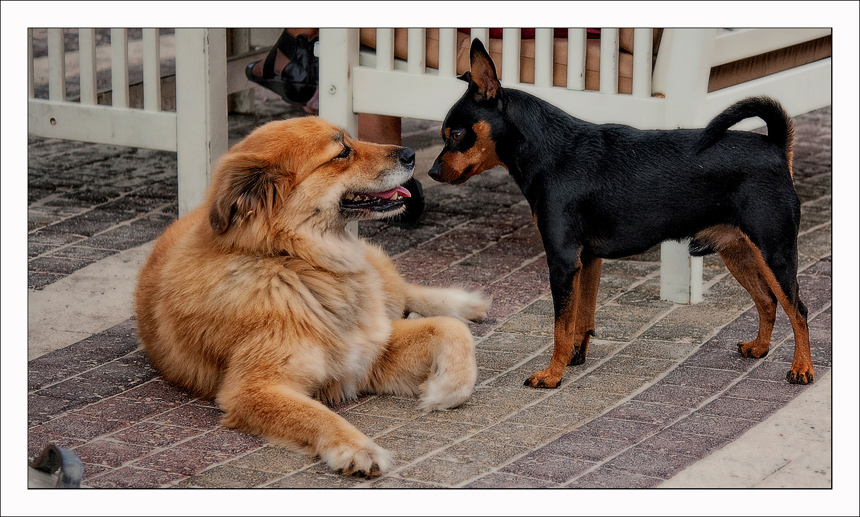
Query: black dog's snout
[407, 157]
[435, 171]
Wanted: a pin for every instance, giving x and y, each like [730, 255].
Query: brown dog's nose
[407, 157]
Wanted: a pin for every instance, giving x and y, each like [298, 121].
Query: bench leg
[680, 274]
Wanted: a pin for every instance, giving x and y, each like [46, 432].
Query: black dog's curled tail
[780, 129]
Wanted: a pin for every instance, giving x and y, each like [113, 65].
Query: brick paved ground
[663, 386]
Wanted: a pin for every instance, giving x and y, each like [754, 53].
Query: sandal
[299, 80]
[414, 206]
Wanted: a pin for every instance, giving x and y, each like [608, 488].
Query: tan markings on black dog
[459, 167]
[745, 261]
[261, 299]
[741, 262]
[574, 328]
[801, 371]
[586, 306]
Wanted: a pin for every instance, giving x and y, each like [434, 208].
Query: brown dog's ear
[245, 186]
[483, 73]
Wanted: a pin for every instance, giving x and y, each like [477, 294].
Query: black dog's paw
[753, 349]
[579, 354]
[794, 377]
[543, 379]
[577, 359]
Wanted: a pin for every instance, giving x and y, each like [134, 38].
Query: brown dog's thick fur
[261, 298]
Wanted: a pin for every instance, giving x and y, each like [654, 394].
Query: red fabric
[530, 33]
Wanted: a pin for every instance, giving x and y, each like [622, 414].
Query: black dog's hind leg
[740, 259]
[781, 272]
[777, 265]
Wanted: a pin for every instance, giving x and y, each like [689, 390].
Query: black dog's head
[473, 125]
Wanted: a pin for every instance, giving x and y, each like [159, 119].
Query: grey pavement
[664, 400]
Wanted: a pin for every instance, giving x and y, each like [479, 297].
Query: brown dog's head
[304, 174]
[474, 124]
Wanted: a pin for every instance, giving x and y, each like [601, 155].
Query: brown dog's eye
[457, 134]
[345, 153]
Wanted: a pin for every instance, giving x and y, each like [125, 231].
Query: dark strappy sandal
[299, 80]
[414, 206]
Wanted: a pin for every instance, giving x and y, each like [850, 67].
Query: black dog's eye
[345, 153]
[457, 135]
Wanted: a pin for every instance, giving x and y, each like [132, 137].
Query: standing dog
[262, 299]
[608, 191]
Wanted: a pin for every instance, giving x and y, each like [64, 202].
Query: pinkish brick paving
[663, 386]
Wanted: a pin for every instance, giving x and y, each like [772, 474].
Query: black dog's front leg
[566, 272]
[565, 290]
[574, 277]
[585, 307]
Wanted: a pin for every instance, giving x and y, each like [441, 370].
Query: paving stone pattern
[662, 388]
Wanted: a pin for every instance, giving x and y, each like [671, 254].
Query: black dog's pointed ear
[483, 72]
[246, 186]
[467, 76]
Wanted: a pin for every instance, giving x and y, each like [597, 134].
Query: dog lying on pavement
[262, 299]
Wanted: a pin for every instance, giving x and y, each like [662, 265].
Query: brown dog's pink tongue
[389, 194]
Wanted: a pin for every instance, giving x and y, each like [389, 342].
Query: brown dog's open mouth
[379, 202]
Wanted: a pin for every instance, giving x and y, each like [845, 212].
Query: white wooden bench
[354, 81]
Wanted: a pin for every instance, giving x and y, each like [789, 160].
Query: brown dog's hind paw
[351, 470]
[372, 472]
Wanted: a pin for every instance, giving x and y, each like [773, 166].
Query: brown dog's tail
[780, 129]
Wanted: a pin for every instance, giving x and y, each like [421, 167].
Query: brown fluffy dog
[262, 299]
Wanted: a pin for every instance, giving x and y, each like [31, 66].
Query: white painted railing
[196, 131]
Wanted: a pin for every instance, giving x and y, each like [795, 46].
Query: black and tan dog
[608, 191]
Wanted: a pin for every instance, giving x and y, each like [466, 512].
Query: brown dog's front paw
[543, 379]
[800, 375]
[753, 348]
[366, 460]
[351, 470]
